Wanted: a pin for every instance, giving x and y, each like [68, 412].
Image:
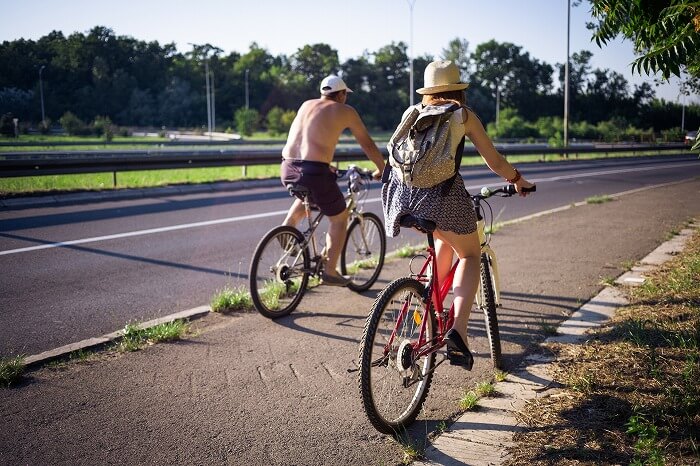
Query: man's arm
[358, 129]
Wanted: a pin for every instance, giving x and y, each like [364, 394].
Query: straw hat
[441, 76]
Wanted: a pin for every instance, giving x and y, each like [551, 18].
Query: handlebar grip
[530, 190]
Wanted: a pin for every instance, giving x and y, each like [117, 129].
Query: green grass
[135, 338]
[470, 398]
[11, 370]
[598, 199]
[230, 299]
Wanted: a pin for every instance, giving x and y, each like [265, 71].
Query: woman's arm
[496, 162]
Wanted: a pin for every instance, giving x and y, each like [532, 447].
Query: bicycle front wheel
[488, 306]
[363, 252]
[393, 382]
[279, 272]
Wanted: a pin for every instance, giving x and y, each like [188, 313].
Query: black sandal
[457, 352]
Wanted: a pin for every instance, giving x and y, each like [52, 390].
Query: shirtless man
[306, 160]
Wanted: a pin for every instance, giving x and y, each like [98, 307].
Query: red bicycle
[407, 324]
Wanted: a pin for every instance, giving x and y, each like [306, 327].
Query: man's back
[316, 129]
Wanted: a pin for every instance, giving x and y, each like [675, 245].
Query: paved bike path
[250, 391]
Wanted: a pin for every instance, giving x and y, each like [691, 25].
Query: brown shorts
[321, 181]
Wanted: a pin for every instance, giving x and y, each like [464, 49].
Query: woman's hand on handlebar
[523, 186]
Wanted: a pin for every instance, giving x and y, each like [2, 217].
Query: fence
[15, 164]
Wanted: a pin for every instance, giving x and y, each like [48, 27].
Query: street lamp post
[247, 103]
[41, 93]
[206, 79]
[410, 57]
[566, 75]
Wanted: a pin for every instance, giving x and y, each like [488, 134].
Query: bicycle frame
[486, 249]
[437, 292]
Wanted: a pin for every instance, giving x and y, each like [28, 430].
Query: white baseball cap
[331, 84]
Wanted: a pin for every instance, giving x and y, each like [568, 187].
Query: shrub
[73, 125]
[246, 120]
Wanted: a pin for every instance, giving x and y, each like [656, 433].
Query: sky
[350, 27]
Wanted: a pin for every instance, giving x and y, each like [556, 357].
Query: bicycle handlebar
[504, 191]
[364, 173]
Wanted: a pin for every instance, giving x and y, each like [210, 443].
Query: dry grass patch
[631, 392]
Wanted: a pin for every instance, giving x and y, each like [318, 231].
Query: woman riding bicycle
[448, 203]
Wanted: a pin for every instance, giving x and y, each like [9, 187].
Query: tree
[458, 52]
[666, 33]
[246, 120]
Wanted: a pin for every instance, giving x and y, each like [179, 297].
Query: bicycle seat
[420, 224]
[297, 190]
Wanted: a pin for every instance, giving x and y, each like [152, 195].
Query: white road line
[282, 212]
[142, 232]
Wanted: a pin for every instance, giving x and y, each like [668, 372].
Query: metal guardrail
[15, 164]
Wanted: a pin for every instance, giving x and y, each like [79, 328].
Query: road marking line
[142, 232]
[372, 200]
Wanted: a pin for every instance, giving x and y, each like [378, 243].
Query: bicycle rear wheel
[488, 306]
[279, 272]
[393, 385]
[363, 252]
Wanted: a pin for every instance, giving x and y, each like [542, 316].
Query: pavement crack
[294, 371]
[262, 376]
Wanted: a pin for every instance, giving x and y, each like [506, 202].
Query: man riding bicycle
[307, 157]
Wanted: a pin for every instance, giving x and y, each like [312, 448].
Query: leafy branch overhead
[665, 33]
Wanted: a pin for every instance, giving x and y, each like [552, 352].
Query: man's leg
[334, 241]
[295, 214]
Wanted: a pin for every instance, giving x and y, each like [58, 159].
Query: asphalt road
[250, 391]
[75, 271]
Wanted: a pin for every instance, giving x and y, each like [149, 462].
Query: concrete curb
[97, 342]
[482, 437]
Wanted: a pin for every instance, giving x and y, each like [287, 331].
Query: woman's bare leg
[466, 278]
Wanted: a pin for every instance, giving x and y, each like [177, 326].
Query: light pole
[206, 79]
[247, 103]
[41, 93]
[566, 75]
[410, 56]
[498, 103]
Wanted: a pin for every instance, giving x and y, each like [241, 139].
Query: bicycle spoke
[279, 272]
[393, 382]
[363, 252]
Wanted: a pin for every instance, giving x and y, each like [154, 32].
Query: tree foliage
[666, 33]
[135, 83]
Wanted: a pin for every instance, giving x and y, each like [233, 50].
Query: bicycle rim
[488, 306]
[363, 252]
[390, 405]
[279, 272]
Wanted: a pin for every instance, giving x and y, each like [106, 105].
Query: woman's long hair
[458, 97]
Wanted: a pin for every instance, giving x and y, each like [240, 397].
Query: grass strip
[135, 338]
[11, 370]
[630, 392]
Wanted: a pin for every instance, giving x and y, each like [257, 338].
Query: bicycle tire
[388, 404]
[488, 306]
[363, 253]
[279, 272]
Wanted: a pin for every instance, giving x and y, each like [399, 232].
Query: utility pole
[410, 56]
[41, 93]
[247, 103]
[206, 78]
[566, 74]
